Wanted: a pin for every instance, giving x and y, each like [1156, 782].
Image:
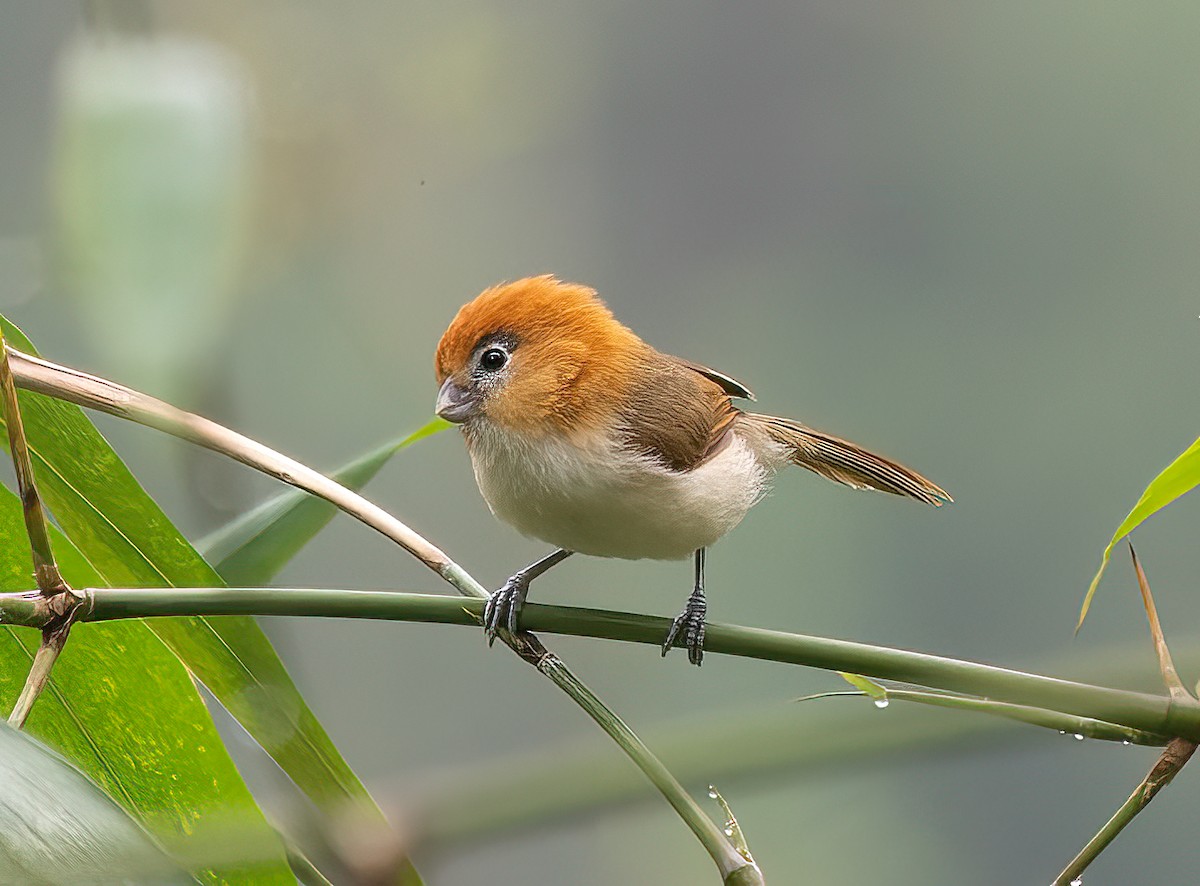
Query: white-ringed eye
[493, 359]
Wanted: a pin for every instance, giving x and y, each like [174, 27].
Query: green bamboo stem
[1173, 758]
[735, 869]
[53, 642]
[45, 569]
[746, 875]
[1138, 710]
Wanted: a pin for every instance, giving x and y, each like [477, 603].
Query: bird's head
[535, 356]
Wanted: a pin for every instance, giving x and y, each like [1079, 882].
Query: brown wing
[680, 413]
[727, 383]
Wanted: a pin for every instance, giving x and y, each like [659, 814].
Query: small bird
[584, 436]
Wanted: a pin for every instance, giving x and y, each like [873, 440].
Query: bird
[584, 436]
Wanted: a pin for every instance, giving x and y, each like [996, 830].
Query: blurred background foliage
[963, 235]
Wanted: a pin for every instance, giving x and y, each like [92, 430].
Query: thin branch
[1067, 724]
[53, 641]
[55, 591]
[63, 383]
[735, 868]
[1165, 664]
[82, 389]
[45, 570]
[1156, 714]
[1173, 758]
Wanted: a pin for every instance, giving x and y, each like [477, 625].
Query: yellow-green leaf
[1180, 476]
[866, 686]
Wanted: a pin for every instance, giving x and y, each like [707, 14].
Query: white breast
[609, 503]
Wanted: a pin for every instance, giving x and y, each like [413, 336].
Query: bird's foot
[503, 607]
[689, 626]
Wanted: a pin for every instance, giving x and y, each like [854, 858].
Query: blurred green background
[963, 235]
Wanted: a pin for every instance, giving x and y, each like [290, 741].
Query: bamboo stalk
[1158, 714]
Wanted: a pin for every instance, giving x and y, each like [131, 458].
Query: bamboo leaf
[58, 829]
[130, 541]
[867, 687]
[170, 770]
[251, 549]
[1180, 476]
[1067, 724]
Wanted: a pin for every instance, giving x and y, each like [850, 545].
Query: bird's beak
[455, 404]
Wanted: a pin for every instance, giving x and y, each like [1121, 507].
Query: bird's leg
[690, 622]
[504, 605]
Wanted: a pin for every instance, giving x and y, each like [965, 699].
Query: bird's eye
[493, 359]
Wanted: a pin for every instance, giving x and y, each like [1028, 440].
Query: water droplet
[881, 703]
[712, 792]
[1078, 881]
[1062, 732]
[1127, 742]
[728, 832]
[1078, 737]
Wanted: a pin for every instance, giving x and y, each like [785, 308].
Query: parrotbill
[586, 437]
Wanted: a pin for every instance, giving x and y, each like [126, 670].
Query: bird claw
[689, 626]
[503, 607]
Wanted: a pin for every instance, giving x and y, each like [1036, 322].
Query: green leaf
[867, 687]
[1080, 727]
[59, 829]
[250, 550]
[170, 770]
[131, 543]
[1180, 476]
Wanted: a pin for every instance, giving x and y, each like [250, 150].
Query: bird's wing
[727, 383]
[680, 414]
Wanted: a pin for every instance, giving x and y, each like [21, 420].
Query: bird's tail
[845, 462]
